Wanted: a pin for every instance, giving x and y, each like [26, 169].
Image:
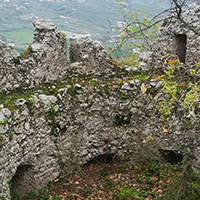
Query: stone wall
[49, 135]
[45, 61]
[87, 114]
[91, 54]
[176, 38]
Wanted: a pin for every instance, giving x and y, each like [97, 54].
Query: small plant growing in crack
[55, 127]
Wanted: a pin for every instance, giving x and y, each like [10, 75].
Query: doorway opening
[23, 181]
[104, 158]
[181, 42]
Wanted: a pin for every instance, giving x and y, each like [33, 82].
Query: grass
[8, 100]
[25, 54]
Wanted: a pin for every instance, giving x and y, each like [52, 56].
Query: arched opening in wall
[23, 181]
[104, 158]
[181, 42]
[171, 156]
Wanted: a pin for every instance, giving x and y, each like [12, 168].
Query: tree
[138, 29]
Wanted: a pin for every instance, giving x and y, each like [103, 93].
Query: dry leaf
[164, 129]
[143, 88]
[160, 191]
[153, 178]
[171, 62]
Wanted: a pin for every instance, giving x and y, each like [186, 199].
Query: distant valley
[84, 17]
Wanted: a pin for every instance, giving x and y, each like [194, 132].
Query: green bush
[26, 53]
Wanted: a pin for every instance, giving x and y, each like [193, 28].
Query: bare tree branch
[175, 11]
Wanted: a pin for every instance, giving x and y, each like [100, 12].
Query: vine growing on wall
[179, 85]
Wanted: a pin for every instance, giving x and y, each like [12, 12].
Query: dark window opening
[171, 156]
[23, 181]
[181, 41]
[104, 158]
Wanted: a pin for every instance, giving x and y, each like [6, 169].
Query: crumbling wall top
[90, 53]
[7, 53]
[44, 24]
[44, 61]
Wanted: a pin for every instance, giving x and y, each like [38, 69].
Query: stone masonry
[176, 38]
[46, 61]
[44, 137]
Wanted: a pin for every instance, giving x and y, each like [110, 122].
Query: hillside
[87, 17]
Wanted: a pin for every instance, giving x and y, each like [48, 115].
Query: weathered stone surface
[46, 61]
[20, 102]
[92, 54]
[7, 53]
[48, 144]
[176, 38]
[146, 61]
[47, 140]
[43, 24]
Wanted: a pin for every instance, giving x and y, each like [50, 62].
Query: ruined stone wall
[91, 54]
[47, 136]
[176, 38]
[45, 61]
[87, 114]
